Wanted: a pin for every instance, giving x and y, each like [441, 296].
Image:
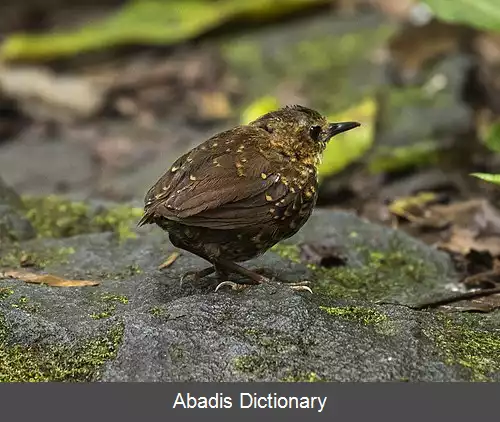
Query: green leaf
[482, 14]
[146, 22]
[491, 137]
[259, 107]
[492, 178]
[346, 148]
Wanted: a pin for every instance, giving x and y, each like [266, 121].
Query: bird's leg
[254, 277]
[197, 275]
[238, 269]
[266, 272]
[297, 286]
[229, 266]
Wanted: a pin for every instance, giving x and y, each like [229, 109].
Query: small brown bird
[243, 190]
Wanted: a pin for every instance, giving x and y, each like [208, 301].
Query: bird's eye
[314, 132]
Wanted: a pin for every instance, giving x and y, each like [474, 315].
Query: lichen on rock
[34, 363]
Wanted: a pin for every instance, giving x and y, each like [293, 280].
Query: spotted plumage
[240, 192]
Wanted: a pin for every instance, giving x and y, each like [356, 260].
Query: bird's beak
[336, 128]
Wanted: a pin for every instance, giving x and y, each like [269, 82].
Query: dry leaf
[472, 225]
[48, 279]
[170, 260]
[463, 241]
[415, 208]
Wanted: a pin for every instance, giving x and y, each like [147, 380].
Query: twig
[440, 302]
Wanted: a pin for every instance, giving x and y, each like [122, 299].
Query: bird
[237, 194]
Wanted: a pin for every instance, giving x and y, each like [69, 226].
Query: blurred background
[98, 98]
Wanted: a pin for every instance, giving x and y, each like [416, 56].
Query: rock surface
[140, 324]
[13, 224]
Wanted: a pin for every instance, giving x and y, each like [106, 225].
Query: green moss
[109, 302]
[366, 316]
[156, 311]
[382, 273]
[118, 220]
[133, 269]
[15, 257]
[107, 297]
[6, 292]
[460, 343]
[176, 353]
[26, 305]
[103, 314]
[290, 252]
[273, 356]
[56, 217]
[248, 364]
[306, 377]
[37, 363]
[127, 272]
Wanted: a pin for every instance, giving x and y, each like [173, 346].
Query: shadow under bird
[237, 194]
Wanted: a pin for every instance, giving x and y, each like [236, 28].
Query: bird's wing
[223, 183]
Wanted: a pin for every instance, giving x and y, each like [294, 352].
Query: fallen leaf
[464, 241]
[413, 208]
[48, 279]
[471, 225]
[170, 260]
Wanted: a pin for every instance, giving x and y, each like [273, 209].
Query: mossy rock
[14, 226]
[56, 217]
[141, 324]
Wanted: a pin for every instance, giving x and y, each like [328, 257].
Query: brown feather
[208, 178]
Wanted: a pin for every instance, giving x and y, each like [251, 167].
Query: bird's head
[300, 132]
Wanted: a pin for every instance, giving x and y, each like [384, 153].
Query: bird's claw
[301, 286]
[189, 274]
[232, 284]
[302, 289]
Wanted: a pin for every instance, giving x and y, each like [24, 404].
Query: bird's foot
[233, 285]
[301, 286]
[231, 267]
[197, 275]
